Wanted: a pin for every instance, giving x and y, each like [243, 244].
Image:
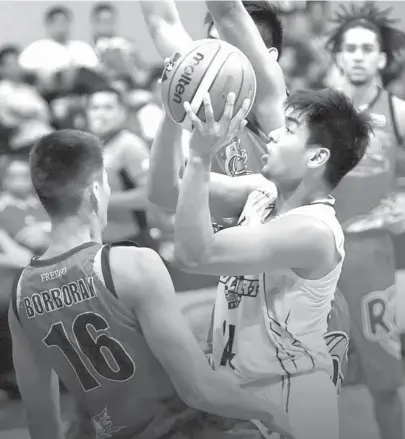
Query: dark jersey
[72, 316]
[361, 192]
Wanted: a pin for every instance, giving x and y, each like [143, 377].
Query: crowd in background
[104, 86]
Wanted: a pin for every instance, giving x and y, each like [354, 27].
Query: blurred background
[54, 59]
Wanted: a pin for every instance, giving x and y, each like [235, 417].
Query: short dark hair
[53, 11]
[101, 7]
[334, 123]
[265, 16]
[9, 49]
[63, 164]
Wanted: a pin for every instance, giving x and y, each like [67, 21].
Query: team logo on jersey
[236, 287]
[103, 425]
[378, 315]
[235, 159]
[338, 346]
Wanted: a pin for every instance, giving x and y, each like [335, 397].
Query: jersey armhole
[394, 121]
[14, 297]
[105, 263]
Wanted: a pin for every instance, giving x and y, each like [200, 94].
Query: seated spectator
[24, 114]
[58, 52]
[127, 162]
[24, 232]
[120, 57]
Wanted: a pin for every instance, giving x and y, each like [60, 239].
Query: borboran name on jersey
[56, 298]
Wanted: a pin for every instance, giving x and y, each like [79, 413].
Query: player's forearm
[223, 397]
[193, 228]
[165, 163]
[165, 27]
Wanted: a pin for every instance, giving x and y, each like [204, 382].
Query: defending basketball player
[243, 154]
[364, 42]
[280, 266]
[104, 320]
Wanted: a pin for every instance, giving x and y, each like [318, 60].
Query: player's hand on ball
[210, 136]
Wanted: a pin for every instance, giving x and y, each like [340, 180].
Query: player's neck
[70, 233]
[361, 95]
[306, 193]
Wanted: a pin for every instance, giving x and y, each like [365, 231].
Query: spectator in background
[127, 162]
[58, 52]
[24, 233]
[24, 114]
[104, 18]
[121, 59]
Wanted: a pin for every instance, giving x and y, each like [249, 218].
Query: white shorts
[311, 402]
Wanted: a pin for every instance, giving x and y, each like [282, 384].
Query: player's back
[69, 310]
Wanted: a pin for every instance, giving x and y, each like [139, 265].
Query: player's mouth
[265, 159]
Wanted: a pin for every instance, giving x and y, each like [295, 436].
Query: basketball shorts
[368, 284]
[337, 338]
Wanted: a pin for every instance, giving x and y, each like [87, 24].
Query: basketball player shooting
[279, 268]
[104, 320]
[243, 155]
[364, 42]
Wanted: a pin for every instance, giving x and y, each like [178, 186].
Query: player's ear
[274, 53]
[382, 62]
[94, 196]
[318, 156]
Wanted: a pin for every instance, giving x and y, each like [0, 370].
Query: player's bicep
[37, 383]
[237, 27]
[151, 294]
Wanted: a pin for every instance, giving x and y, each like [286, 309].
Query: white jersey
[273, 324]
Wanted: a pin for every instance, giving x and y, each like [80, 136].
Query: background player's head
[104, 20]
[58, 20]
[324, 138]
[68, 175]
[364, 42]
[106, 111]
[264, 14]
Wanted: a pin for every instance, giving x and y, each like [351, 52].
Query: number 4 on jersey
[227, 354]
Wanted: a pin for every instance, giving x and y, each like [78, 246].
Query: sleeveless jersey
[273, 324]
[360, 193]
[68, 308]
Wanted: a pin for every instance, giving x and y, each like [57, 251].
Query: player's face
[286, 162]
[105, 113]
[360, 58]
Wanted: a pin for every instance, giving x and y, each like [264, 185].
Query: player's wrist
[200, 160]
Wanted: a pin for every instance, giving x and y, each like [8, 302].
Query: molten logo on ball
[185, 78]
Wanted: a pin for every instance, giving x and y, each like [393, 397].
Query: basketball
[212, 66]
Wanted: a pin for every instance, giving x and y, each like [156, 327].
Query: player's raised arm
[144, 283]
[38, 385]
[237, 27]
[227, 195]
[165, 27]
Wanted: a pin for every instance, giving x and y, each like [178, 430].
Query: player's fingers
[209, 112]
[228, 111]
[243, 111]
[193, 117]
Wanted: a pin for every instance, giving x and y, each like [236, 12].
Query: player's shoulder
[133, 266]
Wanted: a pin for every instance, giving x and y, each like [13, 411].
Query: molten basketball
[212, 66]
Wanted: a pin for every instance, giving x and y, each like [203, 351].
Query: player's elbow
[198, 397]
